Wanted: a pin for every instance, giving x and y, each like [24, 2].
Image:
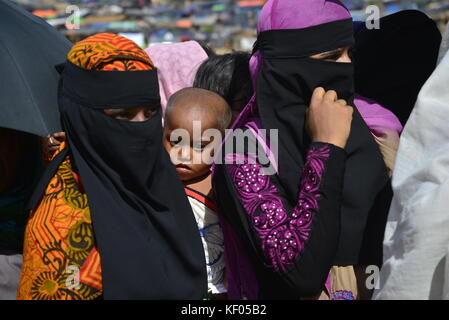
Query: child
[192, 157]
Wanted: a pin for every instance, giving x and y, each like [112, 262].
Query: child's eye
[200, 147]
[175, 142]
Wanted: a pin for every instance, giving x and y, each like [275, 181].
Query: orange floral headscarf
[109, 52]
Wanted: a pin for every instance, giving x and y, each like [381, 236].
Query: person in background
[110, 218]
[416, 244]
[20, 168]
[229, 76]
[387, 72]
[193, 159]
[390, 66]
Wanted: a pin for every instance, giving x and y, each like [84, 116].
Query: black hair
[229, 76]
[209, 51]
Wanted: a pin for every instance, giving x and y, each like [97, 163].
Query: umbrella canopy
[29, 50]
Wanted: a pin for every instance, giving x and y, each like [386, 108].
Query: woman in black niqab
[144, 228]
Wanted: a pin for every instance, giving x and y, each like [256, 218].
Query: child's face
[189, 154]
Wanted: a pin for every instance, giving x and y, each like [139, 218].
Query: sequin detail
[343, 295]
[282, 235]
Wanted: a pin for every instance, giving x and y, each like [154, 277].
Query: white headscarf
[416, 245]
[444, 45]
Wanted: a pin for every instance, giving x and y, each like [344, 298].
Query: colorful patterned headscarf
[109, 52]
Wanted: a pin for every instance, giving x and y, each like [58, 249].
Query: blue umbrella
[29, 50]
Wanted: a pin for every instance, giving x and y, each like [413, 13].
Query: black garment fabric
[144, 227]
[392, 63]
[27, 171]
[285, 85]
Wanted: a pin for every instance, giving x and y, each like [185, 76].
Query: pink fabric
[242, 281]
[177, 64]
[378, 119]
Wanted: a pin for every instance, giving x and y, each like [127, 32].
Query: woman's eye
[123, 116]
[334, 57]
[351, 53]
[151, 111]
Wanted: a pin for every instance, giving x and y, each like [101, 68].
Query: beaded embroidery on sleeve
[282, 234]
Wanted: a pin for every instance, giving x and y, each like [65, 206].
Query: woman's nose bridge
[140, 116]
[345, 57]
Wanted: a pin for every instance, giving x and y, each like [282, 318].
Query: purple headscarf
[283, 14]
[290, 14]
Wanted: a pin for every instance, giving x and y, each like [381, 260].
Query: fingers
[318, 95]
[55, 140]
[331, 96]
[52, 141]
[351, 110]
[59, 136]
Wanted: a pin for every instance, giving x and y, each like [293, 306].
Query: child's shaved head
[184, 110]
[200, 104]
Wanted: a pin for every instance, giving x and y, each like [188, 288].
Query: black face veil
[144, 228]
[285, 85]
